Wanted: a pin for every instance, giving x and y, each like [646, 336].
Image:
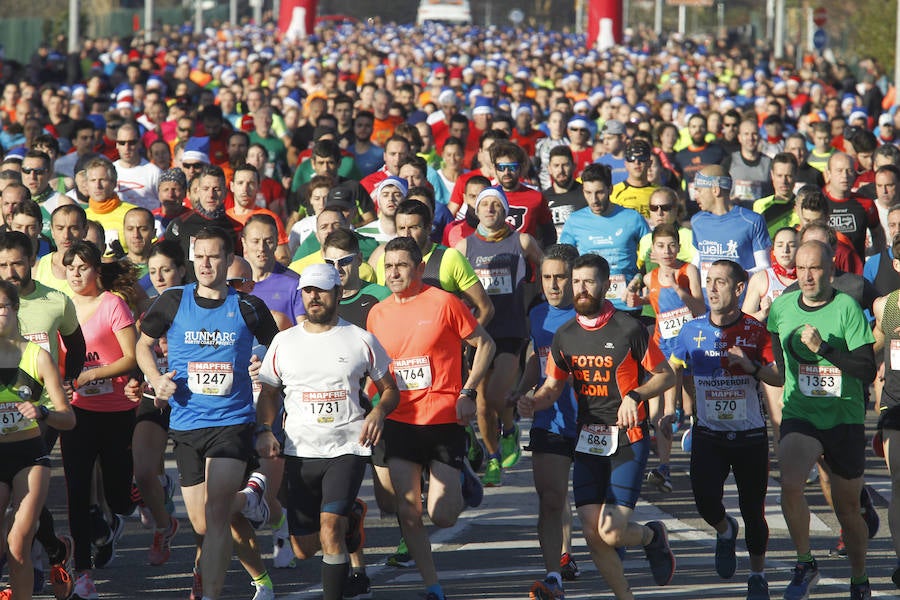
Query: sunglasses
[642, 158]
[238, 281]
[578, 130]
[511, 167]
[340, 262]
[34, 170]
[192, 165]
[113, 126]
[127, 142]
[660, 207]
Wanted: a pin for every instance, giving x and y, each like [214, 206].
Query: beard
[321, 317]
[586, 304]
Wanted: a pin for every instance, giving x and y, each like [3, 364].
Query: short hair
[263, 219]
[453, 141]
[212, 232]
[364, 114]
[480, 180]
[86, 251]
[820, 127]
[665, 230]
[343, 99]
[421, 191]
[417, 161]
[492, 134]
[10, 175]
[597, 172]
[864, 140]
[737, 272]
[811, 197]
[565, 253]
[45, 139]
[248, 168]
[70, 209]
[99, 162]
[893, 170]
[593, 261]
[415, 207]
[889, 151]
[29, 208]
[895, 246]
[213, 171]
[405, 244]
[342, 239]
[18, 185]
[785, 158]
[459, 118]
[561, 150]
[240, 133]
[327, 149]
[397, 139]
[80, 125]
[507, 148]
[16, 240]
[830, 233]
[39, 154]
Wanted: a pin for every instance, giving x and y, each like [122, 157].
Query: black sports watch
[44, 412]
[634, 395]
[470, 393]
[263, 428]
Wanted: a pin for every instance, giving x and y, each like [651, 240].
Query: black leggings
[711, 460]
[103, 435]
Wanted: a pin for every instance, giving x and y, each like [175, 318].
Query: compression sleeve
[75, 352]
[858, 363]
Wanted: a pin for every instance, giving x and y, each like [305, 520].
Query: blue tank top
[210, 349]
[559, 418]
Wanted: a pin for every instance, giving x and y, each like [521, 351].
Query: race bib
[324, 407]
[543, 353]
[746, 190]
[671, 321]
[820, 381]
[895, 355]
[726, 405]
[495, 281]
[11, 420]
[413, 373]
[95, 387]
[210, 378]
[41, 338]
[598, 440]
[616, 286]
[705, 266]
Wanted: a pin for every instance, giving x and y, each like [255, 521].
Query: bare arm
[267, 408]
[127, 337]
[374, 424]
[482, 303]
[878, 332]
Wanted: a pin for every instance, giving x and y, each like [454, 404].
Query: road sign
[820, 39]
[820, 16]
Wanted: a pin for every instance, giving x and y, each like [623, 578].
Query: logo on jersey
[214, 339]
[700, 338]
[712, 248]
[516, 216]
[843, 223]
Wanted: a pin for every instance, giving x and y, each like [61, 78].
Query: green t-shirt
[304, 172]
[815, 390]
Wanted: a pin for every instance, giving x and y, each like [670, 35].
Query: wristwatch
[44, 412]
[470, 393]
[634, 395]
[263, 428]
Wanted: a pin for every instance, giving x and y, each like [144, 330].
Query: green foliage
[872, 28]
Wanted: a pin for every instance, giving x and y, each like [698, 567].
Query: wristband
[263, 428]
[635, 395]
[44, 413]
[470, 393]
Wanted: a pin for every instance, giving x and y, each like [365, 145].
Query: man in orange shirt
[427, 429]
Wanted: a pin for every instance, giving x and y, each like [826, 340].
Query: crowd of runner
[386, 245]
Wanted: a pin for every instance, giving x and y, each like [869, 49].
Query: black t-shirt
[564, 204]
[256, 315]
[356, 309]
[183, 228]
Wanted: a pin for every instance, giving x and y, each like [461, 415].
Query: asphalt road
[492, 551]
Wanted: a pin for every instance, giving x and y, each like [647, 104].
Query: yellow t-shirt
[455, 273]
[365, 271]
[635, 198]
[113, 222]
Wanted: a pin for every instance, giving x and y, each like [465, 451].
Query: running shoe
[263, 592]
[85, 588]
[105, 553]
[196, 586]
[358, 587]
[510, 449]
[548, 589]
[100, 530]
[60, 580]
[256, 510]
[161, 550]
[568, 570]
[757, 588]
[868, 512]
[6, 594]
[726, 560]
[491, 477]
[401, 558]
[839, 548]
[860, 591]
[282, 552]
[687, 440]
[661, 477]
[813, 475]
[356, 532]
[806, 575]
[662, 561]
[472, 490]
[476, 450]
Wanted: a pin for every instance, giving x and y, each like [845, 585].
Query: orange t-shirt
[423, 337]
[282, 235]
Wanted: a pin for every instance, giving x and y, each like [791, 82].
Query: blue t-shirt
[279, 292]
[736, 235]
[616, 165]
[873, 263]
[559, 418]
[615, 237]
[369, 161]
